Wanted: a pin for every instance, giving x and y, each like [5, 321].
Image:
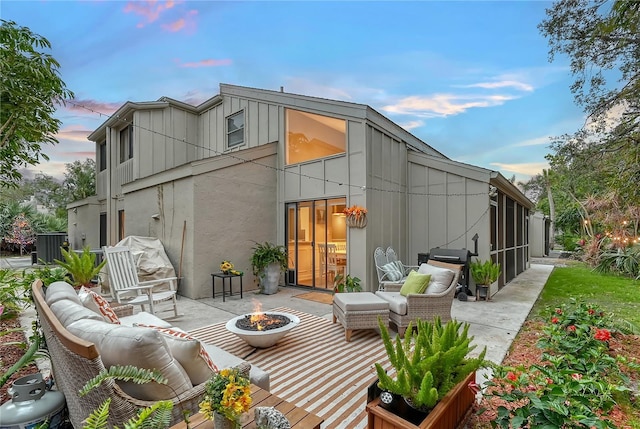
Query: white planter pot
[270, 279]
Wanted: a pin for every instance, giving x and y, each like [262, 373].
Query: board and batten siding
[449, 203]
[166, 138]
[261, 125]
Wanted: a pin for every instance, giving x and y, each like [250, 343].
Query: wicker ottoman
[359, 310]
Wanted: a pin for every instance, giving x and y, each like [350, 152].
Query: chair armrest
[408, 268]
[122, 310]
[392, 287]
[156, 281]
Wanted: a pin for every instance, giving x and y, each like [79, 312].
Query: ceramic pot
[270, 279]
[221, 422]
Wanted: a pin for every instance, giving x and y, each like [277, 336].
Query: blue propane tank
[31, 404]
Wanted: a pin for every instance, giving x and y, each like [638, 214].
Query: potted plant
[484, 274]
[82, 267]
[268, 261]
[346, 284]
[227, 395]
[432, 375]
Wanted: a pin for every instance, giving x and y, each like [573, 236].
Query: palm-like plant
[81, 267]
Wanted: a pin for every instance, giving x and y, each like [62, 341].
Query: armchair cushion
[189, 352]
[97, 303]
[393, 271]
[415, 283]
[397, 302]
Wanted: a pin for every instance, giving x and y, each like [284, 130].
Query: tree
[80, 180]
[602, 40]
[21, 233]
[30, 90]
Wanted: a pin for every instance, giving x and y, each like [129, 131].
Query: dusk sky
[470, 78]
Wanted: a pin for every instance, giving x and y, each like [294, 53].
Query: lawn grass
[614, 294]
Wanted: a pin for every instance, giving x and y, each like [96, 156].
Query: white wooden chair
[123, 280]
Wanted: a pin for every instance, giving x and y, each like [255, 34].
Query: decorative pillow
[415, 283]
[140, 347]
[394, 271]
[441, 278]
[189, 352]
[97, 303]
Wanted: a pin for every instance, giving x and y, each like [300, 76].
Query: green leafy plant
[12, 294]
[156, 416]
[484, 273]
[265, 254]
[429, 362]
[81, 267]
[578, 381]
[622, 261]
[346, 284]
[34, 350]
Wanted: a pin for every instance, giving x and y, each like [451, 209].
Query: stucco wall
[172, 203]
[235, 207]
[83, 225]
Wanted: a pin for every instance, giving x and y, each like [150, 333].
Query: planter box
[450, 413]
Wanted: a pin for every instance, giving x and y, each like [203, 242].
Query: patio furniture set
[403, 296]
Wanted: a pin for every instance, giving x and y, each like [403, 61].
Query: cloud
[92, 106]
[210, 62]
[151, 10]
[528, 169]
[185, 23]
[443, 105]
[308, 87]
[75, 133]
[411, 124]
[501, 84]
[538, 141]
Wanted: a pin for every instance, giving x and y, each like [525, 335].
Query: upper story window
[102, 156]
[311, 136]
[235, 130]
[126, 143]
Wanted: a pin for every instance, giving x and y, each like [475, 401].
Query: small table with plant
[227, 271]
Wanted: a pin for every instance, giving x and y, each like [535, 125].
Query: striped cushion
[394, 271]
[97, 303]
[189, 352]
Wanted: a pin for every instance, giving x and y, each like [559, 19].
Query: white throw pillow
[140, 347]
[189, 352]
[97, 303]
[441, 278]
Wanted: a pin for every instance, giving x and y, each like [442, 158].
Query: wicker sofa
[75, 360]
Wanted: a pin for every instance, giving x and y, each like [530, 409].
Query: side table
[224, 278]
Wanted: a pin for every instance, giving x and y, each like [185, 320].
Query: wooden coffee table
[298, 417]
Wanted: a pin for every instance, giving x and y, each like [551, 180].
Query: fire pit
[262, 329]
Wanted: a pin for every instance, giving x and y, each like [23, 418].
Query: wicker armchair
[420, 306]
[75, 361]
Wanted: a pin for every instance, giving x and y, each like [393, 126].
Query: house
[252, 165]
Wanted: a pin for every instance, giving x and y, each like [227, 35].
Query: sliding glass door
[316, 242]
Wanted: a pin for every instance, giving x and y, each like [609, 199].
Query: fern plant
[156, 416]
[81, 267]
[429, 362]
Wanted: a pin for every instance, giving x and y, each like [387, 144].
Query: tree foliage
[602, 40]
[30, 90]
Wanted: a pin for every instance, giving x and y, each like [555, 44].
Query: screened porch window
[311, 136]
